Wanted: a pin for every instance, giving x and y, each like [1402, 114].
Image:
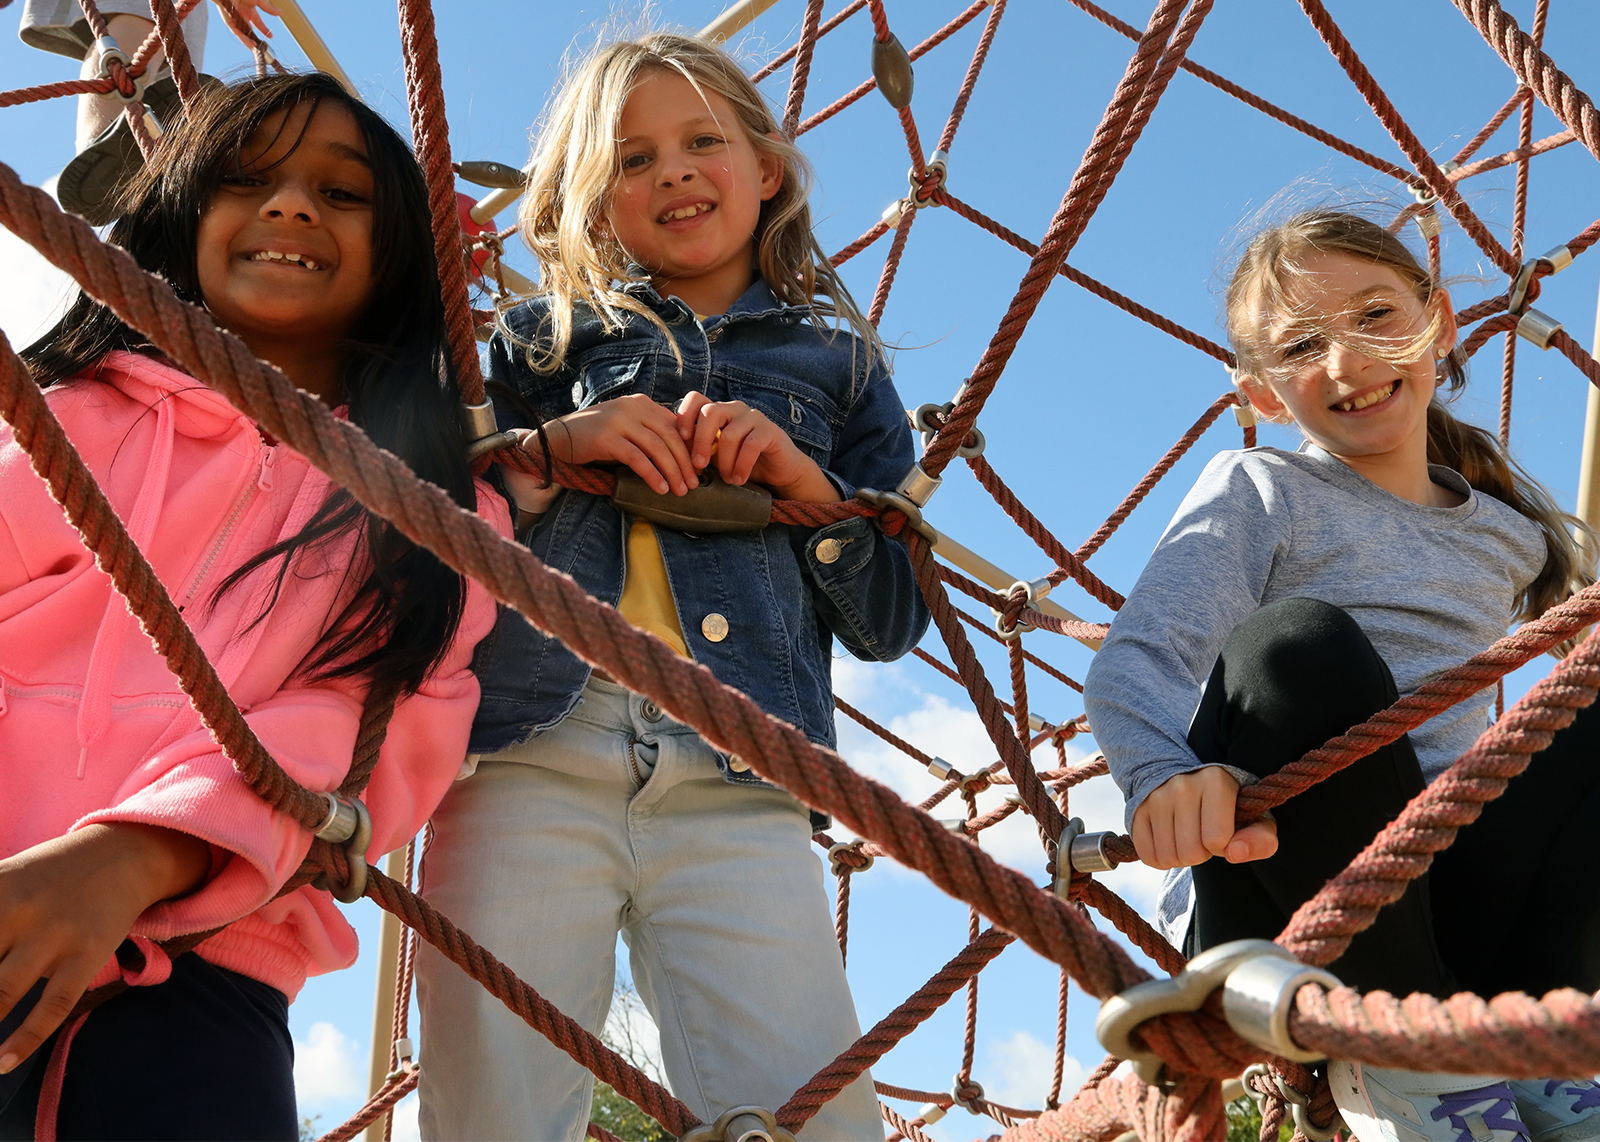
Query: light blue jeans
[618, 819]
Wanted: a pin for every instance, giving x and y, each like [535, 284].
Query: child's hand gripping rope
[65, 906]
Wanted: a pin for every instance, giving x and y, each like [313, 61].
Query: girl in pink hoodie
[298, 218]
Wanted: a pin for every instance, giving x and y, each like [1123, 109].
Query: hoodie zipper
[265, 478]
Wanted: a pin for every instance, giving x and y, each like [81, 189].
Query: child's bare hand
[747, 446]
[529, 493]
[250, 12]
[1188, 819]
[66, 904]
[631, 430]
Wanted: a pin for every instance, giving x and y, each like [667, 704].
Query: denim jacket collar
[756, 303]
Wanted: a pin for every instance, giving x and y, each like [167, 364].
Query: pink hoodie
[93, 727]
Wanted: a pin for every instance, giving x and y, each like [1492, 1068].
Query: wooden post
[389, 934]
[312, 44]
[1588, 507]
[734, 19]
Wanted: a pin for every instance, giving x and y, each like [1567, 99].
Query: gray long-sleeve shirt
[1429, 586]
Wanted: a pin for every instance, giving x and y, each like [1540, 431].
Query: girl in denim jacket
[681, 335]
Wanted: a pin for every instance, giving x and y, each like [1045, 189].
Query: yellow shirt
[646, 595]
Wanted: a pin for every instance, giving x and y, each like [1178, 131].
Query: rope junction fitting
[1256, 1005]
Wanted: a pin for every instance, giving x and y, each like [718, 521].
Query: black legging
[205, 1055]
[1512, 905]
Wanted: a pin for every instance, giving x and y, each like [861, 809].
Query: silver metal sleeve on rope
[1537, 327]
[1258, 994]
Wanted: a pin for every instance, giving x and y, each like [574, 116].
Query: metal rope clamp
[920, 421]
[1244, 413]
[1299, 1104]
[741, 1124]
[839, 867]
[482, 431]
[969, 1104]
[1424, 195]
[1259, 980]
[1533, 325]
[938, 165]
[1033, 591]
[348, 825]
[1064, 869]
[110, 50]
[1078, 850]
[916, 488]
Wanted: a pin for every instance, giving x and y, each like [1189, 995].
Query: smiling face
[689, 190]
[1351, 359]
[284, 251]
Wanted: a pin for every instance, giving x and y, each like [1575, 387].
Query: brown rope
[430, 136]
[1088, 188]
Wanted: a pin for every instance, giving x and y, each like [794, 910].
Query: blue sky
[1091, 398]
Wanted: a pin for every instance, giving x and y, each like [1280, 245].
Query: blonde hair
[575, 168]
[1260, 288]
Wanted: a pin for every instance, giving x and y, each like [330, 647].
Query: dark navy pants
[205, 1055]
[1512, 905]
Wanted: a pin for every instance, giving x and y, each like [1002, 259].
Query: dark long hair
[396, 377]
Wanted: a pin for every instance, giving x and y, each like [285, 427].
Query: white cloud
[33, 293]
[1018, 1070]
[935, 725]
[405, 1120]
[326, 1067]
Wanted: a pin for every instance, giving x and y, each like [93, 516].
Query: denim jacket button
[738, 764]
[649, 711]
[828, 551]
[714, 627]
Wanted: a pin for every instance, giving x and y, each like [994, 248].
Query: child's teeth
[280, 256]
[685, 212]
[1368, 400]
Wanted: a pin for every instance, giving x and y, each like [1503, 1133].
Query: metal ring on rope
[349, 826]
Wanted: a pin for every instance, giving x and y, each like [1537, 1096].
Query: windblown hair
[1261, 288]
[575, 168]
[396, 377]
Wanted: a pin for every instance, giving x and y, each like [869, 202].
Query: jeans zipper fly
[633, 764]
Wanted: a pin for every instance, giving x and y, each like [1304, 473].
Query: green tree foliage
[1244, 1122]
[611, 1111]
[614, 1113]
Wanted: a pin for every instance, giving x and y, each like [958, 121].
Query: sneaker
[88, 184]
[1384, 1104]
[1559, 1110]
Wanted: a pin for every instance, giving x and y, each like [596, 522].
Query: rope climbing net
[1187, 1034]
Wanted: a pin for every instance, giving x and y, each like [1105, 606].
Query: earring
[1441, 353]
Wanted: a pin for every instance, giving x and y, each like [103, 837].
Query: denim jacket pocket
[807, 414]
[603, 377]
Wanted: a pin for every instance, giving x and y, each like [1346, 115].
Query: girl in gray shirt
[1294, 595]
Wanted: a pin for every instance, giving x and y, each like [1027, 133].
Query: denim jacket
[759, 608]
